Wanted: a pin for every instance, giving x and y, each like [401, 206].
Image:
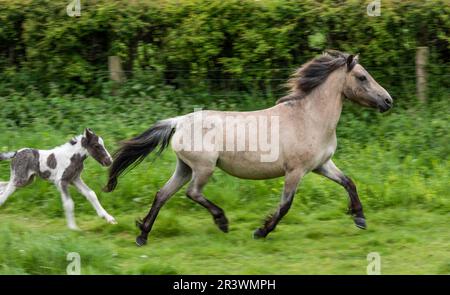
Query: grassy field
[321, 242]
[398, 160]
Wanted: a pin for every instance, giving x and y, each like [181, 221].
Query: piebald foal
[61, 165]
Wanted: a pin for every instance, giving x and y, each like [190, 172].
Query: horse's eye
[362, 78]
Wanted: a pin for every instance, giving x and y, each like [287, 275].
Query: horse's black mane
[314, 73]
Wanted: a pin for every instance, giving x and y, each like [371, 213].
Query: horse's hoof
[259, 234]
[111, 220]
[74, 228]
[223, 227]
[140, 241]
[360, 222]
[222, 223]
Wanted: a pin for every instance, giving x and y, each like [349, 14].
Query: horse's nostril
[387, 101]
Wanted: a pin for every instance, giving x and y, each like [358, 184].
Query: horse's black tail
[7, 155]
[133, 151]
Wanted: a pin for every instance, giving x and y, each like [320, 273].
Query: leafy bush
[208, 46]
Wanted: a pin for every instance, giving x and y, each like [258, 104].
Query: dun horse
[305, 140]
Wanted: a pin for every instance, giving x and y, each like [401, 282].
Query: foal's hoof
[140, 241]
[222, 223]
[74, 228]
[360, 222]
[111, 220]
[259, 234]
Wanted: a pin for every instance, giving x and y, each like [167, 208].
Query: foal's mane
[313, 73]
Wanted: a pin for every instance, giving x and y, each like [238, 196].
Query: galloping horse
[305, 140]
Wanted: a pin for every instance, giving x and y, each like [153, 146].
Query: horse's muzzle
[386, 104]
[107, 162]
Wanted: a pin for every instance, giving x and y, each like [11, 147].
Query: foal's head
[96, 148]
[361, 88]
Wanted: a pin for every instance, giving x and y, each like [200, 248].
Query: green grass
[399, 162]
[320, 242]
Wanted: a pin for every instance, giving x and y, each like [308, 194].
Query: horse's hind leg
[330, 171]
[291, 181]
[21, 173]
[194, 192]
[7, 190]
[180, 177]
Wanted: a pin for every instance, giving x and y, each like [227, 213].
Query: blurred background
[122, 65]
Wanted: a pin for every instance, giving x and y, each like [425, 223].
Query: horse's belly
[249, 165]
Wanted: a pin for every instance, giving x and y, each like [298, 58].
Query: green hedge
[217, 45]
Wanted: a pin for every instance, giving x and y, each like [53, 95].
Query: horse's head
[361, 88]
[96, 148]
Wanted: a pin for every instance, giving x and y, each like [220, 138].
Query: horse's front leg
[292, 178]
[332, 172]
[68, 205]
[91, 196]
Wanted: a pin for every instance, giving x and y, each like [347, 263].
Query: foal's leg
[3, 185]
[19, 178]
[194, 192]
[291, 181]
[179, 178]
[68, 205]
[92, 198]
[8, 190]
[332, 172]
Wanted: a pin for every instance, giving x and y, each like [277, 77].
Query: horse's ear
[351, 61]
[88, 133]
[334, 53]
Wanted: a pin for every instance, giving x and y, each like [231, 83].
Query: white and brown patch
[51, 161]
[25, 164]
[74, 169]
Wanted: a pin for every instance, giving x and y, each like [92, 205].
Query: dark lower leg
[147, 223]
[218, 214]
[330, 171]
[290, 186]
[194, 192]
[355, 206]
[272, 220]
[179, 178]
